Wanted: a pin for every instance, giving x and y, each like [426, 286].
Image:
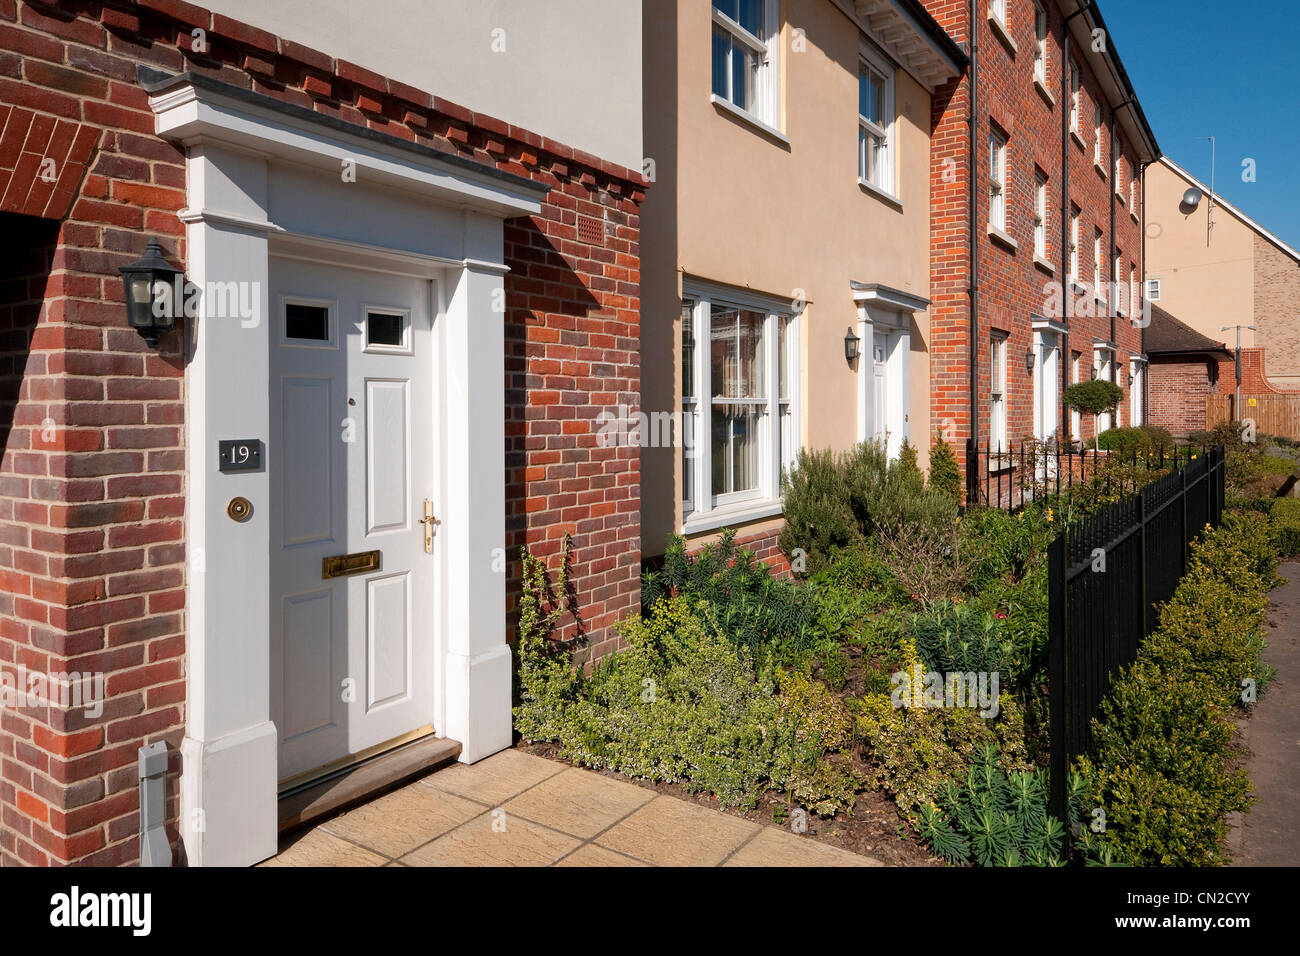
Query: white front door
[879, 391]
[350, 462]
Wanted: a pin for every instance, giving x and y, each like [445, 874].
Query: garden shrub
[815, 736]
[1160, 768]
[1162, 760]
[1285, 515]
[834, 502]
[680, 703]
[819, 517]
[1141, 440]
[961, 636]
[945, 470]
[1093, 397]
[911, 753]
[994, 818]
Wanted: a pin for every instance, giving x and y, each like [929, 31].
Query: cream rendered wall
[750, 211]
[1205, 285]
[569, 69]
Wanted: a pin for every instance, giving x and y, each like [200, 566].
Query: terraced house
[786, 269]
[275, 514]
[1037, 179]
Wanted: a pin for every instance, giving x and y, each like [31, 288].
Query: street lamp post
[1236, 403]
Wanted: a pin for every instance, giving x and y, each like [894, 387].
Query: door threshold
[362, 781]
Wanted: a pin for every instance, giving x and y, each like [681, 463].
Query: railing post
[1186, 541]
[1142, 545]
[972, 471]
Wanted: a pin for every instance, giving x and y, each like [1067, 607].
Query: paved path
[517, 809]
[1269, 835]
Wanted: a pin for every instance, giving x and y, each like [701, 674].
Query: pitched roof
[1224, 204]
[1168, 335]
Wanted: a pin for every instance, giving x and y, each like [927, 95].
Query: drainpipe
[152, 771]
[1142, 271]
[1067, 289]
[973, 124]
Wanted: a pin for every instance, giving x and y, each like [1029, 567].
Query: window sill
[1133, 213]
[1002, 239]
[749, 119]
[880, 193]
[1044, 92]
[733, 515]
[1044, 265]
[1000, 29]
[1078, 140]
[1101, 170]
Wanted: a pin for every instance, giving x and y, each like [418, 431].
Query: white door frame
[889, 311]
[259, 173]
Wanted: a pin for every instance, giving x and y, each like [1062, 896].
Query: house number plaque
[239, 454]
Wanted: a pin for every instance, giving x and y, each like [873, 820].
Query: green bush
[1163, 765]
[835, 502]
[962, 636]
[994, 818]
[1142, 440]
[819, 517]
[1161, 769]
[945, 470]
[1093, 397]
[1285, 515]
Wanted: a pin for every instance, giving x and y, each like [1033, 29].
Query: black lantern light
[851, 343]
[1029, 360]
[152, 305]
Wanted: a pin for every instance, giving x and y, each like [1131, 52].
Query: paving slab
[493, 840]
[400, 821]
[773, 847]
[672, 832]
[589, 854]
[579, 802]
[318, 848]
[495, 780]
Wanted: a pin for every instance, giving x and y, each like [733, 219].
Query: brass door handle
[429, 521]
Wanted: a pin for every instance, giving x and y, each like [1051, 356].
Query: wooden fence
[1272, 414]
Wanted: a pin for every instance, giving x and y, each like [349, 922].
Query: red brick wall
[1177, 392]
[1254, 379]
[92, 548]
[1011, 286]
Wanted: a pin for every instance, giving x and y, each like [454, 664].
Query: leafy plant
[1093, 397]
[994, 818]
[945, 470]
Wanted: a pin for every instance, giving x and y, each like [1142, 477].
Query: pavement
[518, 809]
[1269, 834]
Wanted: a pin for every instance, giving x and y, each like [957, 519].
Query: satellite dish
[1191, 199]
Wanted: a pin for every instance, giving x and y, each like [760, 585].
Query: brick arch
[43, 160]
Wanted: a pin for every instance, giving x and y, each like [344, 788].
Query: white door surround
[1046, 348]
[265, 177]
[885, 363]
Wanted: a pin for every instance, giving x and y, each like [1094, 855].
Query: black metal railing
[1107, 576]
[1009, 478]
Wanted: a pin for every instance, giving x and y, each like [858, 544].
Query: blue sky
[1227, 70]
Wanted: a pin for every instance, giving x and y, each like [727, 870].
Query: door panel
[350, 461]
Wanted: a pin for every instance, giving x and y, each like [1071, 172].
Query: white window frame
[1040, 215]
[998, 392]
[1076, 81]
[1118, 171]
[702, 510]
[766, 106]
[1133, 196]
[1096, 262]
[1137, 371]
[1098, 132]
[1076, 215]
[1117, 286]
[1040, 44]
[1135, 303]
[998, 11]
[1152, 291]
[881, 177]
[999, 197]
[1076, 418]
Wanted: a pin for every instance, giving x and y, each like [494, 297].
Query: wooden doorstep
[365, 780]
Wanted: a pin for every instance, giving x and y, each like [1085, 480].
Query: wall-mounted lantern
[152, 306]
[851, 343]
[1029, 360]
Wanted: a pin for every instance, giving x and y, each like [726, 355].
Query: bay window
[739, 404]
